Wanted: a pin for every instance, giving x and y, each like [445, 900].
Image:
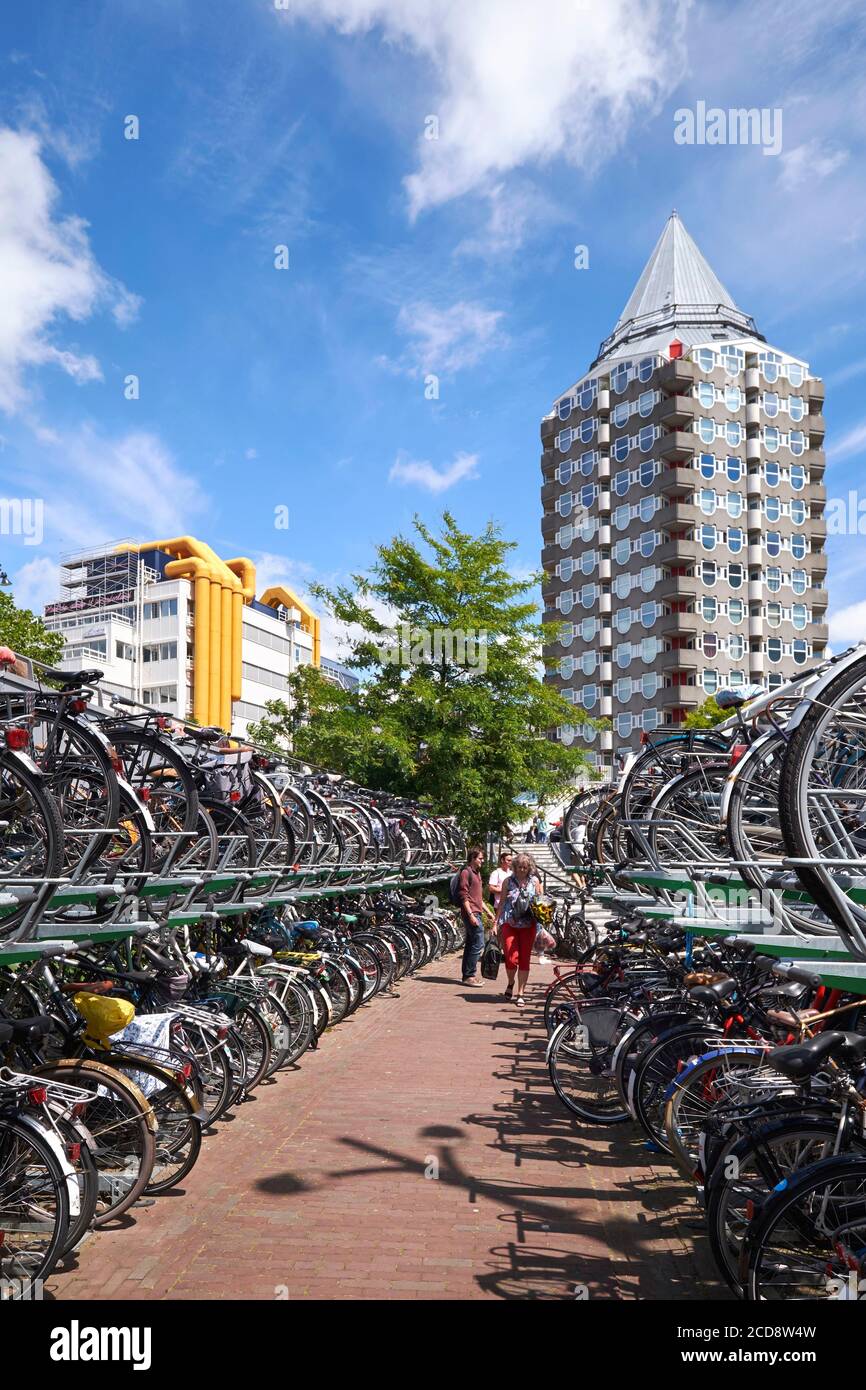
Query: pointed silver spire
[676, 273]
[677, 290]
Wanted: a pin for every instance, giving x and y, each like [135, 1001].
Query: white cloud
[812, 160]
[36, 583]
[852, 442]
[421, 472]
[446, 340]
[513, 84]
[848, 625]
[99, 488]
[47, 272]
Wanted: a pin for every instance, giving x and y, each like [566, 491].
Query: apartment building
[683, 501]
[174, 627]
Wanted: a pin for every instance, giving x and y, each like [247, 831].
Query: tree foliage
[465, 729]
[26, 633]
[706, 716]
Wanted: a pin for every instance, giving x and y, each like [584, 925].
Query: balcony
[677, 445]
[817, 494]
[549, 429]
[754, 519]
[604, 603]
[551, 523]
[815, 392]
[603, 471]
[603, 435]
[680, 696]
[680, 625]
[606, 706]
[683, 513]
[820, 634]
[817, 562]
[817, 462]
[602, 403]
[605, 641]
[755, 590]
[604, 569]
[756, 627]
[677, 552]
[753, 450]
[685, 659]
[753, 413]
[606, 672]
[753, 482]
[816, 425]
[756, 663]
[676, 411]
[550, 491]
[817, 528]
[676, 586]
[604, 535]
[604, 501]
[753, 379]
[676, 478]
[677, 376]
[755, 555]
[819, 598]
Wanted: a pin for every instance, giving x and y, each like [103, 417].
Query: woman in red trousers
[516, 924]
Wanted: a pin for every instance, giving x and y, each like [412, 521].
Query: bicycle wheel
[807, 1238]
[822, 788]
[34, 1204]
[580, 1055]
[118, 1117]
[31, 832]
[706, 1084]
[747, 1172]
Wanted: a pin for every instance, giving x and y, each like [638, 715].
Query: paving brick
[319, 1184]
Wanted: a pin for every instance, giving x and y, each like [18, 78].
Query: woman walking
[516, 924]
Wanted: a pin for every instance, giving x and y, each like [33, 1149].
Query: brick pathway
[318, 1187]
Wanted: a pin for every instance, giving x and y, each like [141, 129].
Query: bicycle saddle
[730, 699]
[24, 1029]
[71, 680]
[207, 735]
[800, 1060]
[714, 994]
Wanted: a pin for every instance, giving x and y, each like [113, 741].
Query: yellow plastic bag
[103, 1017]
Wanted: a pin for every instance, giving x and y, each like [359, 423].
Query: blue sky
[302, 123]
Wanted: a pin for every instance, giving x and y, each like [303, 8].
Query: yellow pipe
[280, 596]
[214, 691]
[197, 571]
[245, 571]
[237, 640]
[221, 589]
[226, 661]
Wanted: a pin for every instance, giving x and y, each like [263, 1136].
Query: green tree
[706, 716]
[26, 633]
[466, 729]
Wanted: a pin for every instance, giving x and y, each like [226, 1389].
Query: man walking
[469, 892]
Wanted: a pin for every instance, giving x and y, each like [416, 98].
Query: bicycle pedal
[652, 1147]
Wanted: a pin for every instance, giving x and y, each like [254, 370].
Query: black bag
[454, 888]
[491, 959]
